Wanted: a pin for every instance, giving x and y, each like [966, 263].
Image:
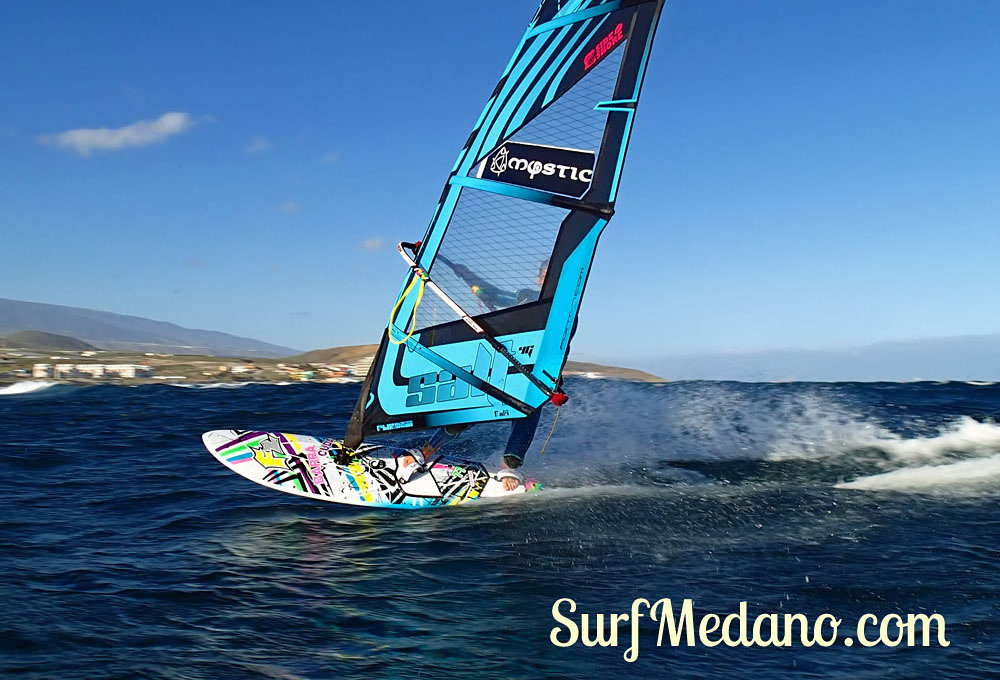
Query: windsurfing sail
[481, 327]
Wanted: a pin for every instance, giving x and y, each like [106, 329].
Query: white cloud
[87, 140]
[258, 144]
[330, 157]
[373, 244]
[291, 207]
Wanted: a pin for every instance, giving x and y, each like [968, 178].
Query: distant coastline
[86, 346]
[334, 365]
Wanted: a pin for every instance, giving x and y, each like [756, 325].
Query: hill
[616, 372]
[131, 333]
[349, 354]
[47, 341]
[354, 354]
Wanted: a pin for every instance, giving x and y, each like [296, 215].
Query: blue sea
[129, 552]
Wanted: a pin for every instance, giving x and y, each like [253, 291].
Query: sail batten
[513, 236]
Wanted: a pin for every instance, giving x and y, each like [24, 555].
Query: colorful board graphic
[307, 466]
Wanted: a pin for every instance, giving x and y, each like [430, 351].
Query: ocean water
[128, 552]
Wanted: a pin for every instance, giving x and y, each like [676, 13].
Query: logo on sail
[607, 43]
[547, 168]
[499, 163]
[446, 389]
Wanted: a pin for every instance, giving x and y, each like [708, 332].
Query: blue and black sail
[508, 252]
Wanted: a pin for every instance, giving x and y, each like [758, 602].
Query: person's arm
[490, 295]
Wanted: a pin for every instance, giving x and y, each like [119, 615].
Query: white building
[64, 371]
[91, 370]
[41, 371]
[128, 370]
[362, 366]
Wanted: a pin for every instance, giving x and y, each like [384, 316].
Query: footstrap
[408, 470]
[506, 473]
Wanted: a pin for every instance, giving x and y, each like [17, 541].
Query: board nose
[213, 439]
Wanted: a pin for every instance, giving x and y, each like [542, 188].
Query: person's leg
[443, 435]
[440, 437]
[522, 432]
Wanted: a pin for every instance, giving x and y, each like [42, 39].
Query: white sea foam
[628, 434]
[25, 387]
[965, 435]
[705, 422]
[210, 386]
[963, 473]
[930, 462]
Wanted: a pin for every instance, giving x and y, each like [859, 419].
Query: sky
[801, 174]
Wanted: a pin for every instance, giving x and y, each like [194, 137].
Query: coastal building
[90, 370]
[362, 366]
[64, 371]
[129, 370]
[93, 371]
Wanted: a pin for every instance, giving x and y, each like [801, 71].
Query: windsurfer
[522, 430]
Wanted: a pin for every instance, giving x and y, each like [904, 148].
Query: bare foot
[408, 458]
[510, 483]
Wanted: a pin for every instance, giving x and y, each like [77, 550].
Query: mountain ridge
[40, 340]
[113, 331]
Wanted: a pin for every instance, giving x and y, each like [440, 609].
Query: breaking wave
[25, 387]
[210, 386]
[965, 473]
[964, 454]
[964, 435]
[686, 432]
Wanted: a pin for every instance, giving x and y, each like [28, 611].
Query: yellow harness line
[422, 277]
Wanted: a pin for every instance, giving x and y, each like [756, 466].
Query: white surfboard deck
[306, 466]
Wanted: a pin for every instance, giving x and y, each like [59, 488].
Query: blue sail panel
[515, 230]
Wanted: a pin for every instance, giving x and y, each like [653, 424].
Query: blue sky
[801, 174]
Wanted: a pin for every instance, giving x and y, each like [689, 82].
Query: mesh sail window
[514, 233]
[492, 255]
